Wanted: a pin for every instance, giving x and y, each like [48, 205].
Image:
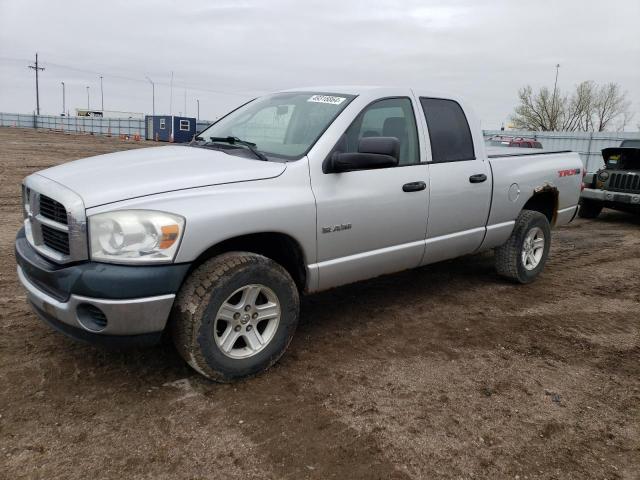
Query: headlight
[604, 175]
[135, 236]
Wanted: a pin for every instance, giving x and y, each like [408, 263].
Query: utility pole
[198, 103]
[88, 107]
[36, 68]
[553, 101]
[185, 102]
[63, 107]
[153, 96]
[101, 95]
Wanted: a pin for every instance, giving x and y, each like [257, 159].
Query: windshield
[283, 124]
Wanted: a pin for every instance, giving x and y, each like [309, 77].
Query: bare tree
[576, 113]
[589, 108]
[536, 111]
[611, 103]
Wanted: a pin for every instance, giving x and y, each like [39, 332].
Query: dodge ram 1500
[294, 192]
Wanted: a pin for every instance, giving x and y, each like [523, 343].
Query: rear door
[459, 183]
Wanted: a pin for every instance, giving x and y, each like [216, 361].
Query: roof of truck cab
[346, 89]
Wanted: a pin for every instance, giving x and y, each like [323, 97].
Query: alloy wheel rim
[533, 248]
[247, 321]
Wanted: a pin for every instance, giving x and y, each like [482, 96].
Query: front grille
[55, 220]
[53, 210]
[55, 239]
[624, 182]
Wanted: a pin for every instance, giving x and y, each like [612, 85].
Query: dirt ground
[443, 372]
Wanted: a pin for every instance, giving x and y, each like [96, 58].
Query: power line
[36, 68]
[250, 93]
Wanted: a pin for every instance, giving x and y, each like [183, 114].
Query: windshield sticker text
[326, 99]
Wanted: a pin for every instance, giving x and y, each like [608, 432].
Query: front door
[372, 222]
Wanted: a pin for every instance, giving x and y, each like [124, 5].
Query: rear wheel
[524, 255]
[235, 316]
[589, 209]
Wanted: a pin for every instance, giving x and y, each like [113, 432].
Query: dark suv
[616, 185]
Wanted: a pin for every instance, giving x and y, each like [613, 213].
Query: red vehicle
[517, 142]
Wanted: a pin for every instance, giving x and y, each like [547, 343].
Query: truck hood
[135, 173]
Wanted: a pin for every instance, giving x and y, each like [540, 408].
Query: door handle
[478, 178]
[414, 186]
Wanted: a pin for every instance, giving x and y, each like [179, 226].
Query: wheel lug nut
[247, 308]
[255, 315]
[249, 327]
[236, 316]
[237, 328]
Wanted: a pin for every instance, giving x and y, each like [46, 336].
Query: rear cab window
[449, 132]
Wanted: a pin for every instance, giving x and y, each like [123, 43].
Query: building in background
[168, 128]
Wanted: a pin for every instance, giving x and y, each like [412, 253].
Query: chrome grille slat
[53, 210]
[56, 239]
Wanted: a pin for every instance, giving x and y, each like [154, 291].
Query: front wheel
[235, 316]
[524, 255]
[589, 209]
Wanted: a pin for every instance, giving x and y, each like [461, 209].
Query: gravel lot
[442, 372]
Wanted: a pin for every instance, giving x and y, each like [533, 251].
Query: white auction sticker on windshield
[327, 99]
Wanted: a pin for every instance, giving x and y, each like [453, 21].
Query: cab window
[449, 131]
[391, 117]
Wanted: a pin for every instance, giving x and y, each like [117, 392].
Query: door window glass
[449, 131]
[391, 117]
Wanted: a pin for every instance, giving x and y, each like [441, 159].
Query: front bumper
[606, 196]
[99, 303]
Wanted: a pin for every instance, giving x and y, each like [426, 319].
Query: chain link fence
[92, 125]
[587, 144]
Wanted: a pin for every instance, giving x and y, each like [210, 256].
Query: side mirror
[373, 152]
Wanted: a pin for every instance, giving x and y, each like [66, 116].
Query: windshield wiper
[237, 141]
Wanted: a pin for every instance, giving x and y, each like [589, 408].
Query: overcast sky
[225, 52]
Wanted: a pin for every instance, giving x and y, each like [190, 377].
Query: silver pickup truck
[291, 193]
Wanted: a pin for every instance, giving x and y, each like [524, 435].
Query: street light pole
[553, 101]
[198, 103]
[88, 107]
[63, 106]
[101, 95]
[153, 96]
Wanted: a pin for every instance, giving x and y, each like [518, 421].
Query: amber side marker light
[169, 236]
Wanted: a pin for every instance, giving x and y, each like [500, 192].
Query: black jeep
[616, 185]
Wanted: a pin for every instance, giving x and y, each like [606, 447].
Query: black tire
[589, 209]
[200, 298]
[509, 262]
